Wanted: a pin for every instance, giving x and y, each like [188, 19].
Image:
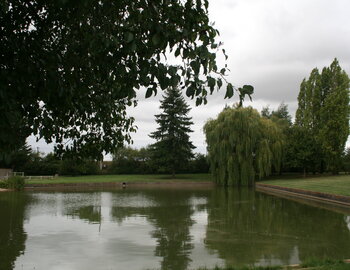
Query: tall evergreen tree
[173, 148]
[323, 113]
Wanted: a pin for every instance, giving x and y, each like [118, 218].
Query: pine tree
[173, 147]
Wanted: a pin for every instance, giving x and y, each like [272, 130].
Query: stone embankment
[305, 194]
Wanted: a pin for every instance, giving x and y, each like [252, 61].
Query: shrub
[3, 184]
[15, 182]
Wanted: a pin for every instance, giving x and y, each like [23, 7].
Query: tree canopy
[173, 148]
[283, 120]
[323, 113]
[69, 69]
[241, 145]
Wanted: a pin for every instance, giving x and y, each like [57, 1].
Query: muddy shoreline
[158, 184]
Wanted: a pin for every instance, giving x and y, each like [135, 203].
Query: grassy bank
[121, 178]
[338, 185]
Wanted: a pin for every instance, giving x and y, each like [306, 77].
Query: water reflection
[12, 235]
[85, 206]
[170, 214]
[248, 228]
[167, 229]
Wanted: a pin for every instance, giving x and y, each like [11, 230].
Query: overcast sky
[272, 45]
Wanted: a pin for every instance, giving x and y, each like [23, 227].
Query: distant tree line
[35, 163]
[129, 160]
[126, 160]
[244, 145]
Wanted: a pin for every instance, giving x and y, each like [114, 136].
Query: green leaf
[219, 83]
[128, 37]
[156, 39]
[133, 46]
[229, 91]
[149, 92]
[211, 84]
[177, 52]
[195, 66]
[248, 89]
[190, 91]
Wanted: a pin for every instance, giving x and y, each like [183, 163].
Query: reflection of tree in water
[172, 222]
[12, 235]
[245, 227]
[90, 213]
[85, 206]
[171, 216]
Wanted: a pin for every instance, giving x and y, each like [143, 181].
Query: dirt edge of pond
[160, 184]
[305, 194]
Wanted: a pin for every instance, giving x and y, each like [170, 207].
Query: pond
[164, 229]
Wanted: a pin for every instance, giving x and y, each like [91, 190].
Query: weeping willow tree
[242, 145]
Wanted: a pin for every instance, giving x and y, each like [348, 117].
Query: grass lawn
[121, 178]
[339, 184]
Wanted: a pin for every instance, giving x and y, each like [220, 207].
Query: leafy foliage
[69, 69]
[17, 157]
[76, 166]
[15, 182]
[346, 160]
[242, 144]
[280, 116]
[323, 112]
[173, 148]
[300, 150]
[283, 120]
[127, 160]
[198, 164]
[3, 184]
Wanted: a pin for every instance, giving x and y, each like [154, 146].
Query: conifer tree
[173, 148]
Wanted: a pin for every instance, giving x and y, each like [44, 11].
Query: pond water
[164, 229]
